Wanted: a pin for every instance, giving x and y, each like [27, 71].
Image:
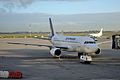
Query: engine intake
[98, 51]
[55, 52]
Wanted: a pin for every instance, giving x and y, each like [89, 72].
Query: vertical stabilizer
[101, 30]
[100, 33]
[51, 27]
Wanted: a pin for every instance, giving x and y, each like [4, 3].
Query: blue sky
[69, 7]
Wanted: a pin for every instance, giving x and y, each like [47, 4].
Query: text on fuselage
[69, 38]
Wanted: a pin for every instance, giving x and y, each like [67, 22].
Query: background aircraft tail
[101, 30]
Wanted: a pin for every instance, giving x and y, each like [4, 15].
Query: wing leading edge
[30, 44]
[39, 45]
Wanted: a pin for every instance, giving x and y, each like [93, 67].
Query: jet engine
[55, 52]
[98, 51]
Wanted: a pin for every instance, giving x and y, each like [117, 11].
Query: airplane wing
[61, 47]
[43, 38]
[30, 44]
[39, 45]
[104, 42]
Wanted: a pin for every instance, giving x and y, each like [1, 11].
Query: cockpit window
[89, 42]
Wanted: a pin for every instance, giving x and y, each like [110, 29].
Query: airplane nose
[92, 49]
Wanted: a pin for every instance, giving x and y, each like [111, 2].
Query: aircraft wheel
[79, 54]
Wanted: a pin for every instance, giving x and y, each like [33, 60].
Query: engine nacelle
[98, 51]
[55, 52]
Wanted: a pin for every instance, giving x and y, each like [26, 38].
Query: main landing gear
[84, 58]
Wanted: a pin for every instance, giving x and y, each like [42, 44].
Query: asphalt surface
[36, 63]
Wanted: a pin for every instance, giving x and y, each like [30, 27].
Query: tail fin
[51, 27]
[101, 30]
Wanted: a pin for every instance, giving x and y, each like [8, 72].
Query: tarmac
[36, 63]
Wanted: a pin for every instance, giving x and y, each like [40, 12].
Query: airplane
[96, 35]
[85, 46]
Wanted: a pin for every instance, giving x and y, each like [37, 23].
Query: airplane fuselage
[96, 35]
[80, 44]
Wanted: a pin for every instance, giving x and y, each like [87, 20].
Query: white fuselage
[96, 35]
[75, 43]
